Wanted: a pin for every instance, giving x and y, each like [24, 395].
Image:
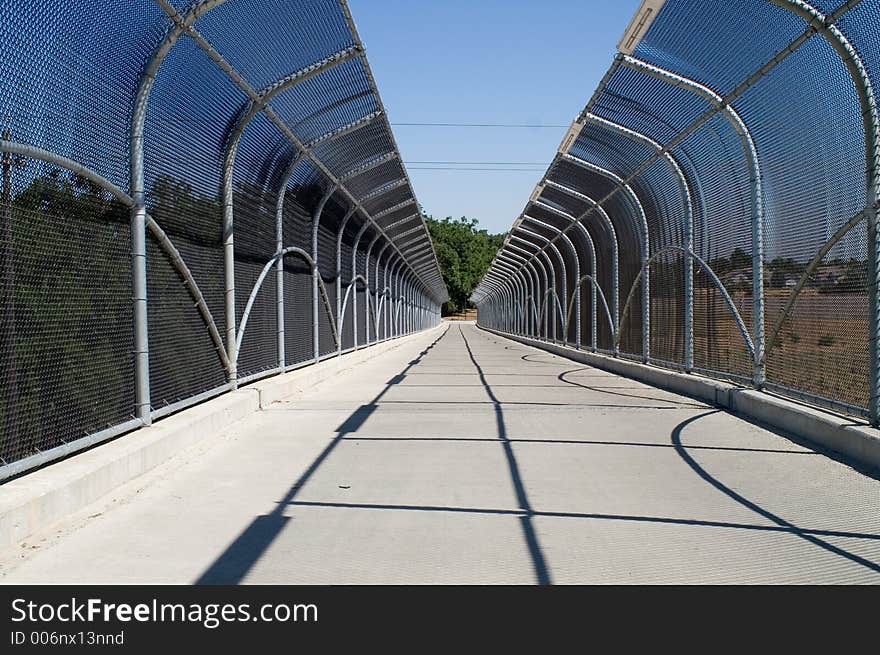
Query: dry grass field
[821, 349]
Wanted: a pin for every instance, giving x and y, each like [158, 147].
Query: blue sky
[486, 61]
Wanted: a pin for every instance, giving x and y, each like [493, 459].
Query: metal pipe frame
[593, 255]
[256, 99]
[316, 271]
[290, 250]
[641, 222]
[541, 269]
[596, 287]
[824, 25]
[279, 244]
[755, 189]
[525, 265]
[375, 292]
[560, 273]
[139, 208]
[712, 276]
[163, 240]
[525, 283]
[516, 279]
[339, 237]
[141, 222]
[576, 295]
[379, 307]
[537, 273]
[814, 28]
[686, 198]
[609, 226]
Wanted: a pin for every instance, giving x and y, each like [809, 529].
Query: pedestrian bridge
[462, 457]
[222, 357]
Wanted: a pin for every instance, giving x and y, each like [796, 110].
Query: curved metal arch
[510, 306]
[386, 292]
[354, 253]
[755, 187]
[316, 224]
[395, 281]
[708, 270]
[529, 276]
[687, 201]
[541, 271]
[517, 280]
[646, 244]
[376, 293]
[574, 222]
[513, 274]
[535, 316]
[547, 294]
[139, 210]
[339, 237]
[384, 282]
[642, 219]
[164, 241]
[307, 148]
[496, 297]
[596, 287]
[608, 225]
[537, 273]
[551, 272]
[249, 111]
[577, 274]
[562, 274]
[808, 273]
[824, 25]
[302, 254]
[500, 284]
[352, 284]
[279, 244]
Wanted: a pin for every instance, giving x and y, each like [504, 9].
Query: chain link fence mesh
[252, 110]
[730, 135]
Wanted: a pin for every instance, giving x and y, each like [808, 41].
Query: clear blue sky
[486, 61]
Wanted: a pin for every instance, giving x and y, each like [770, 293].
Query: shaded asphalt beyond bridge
[461, 457]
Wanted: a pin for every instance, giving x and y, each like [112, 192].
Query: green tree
[464, 252]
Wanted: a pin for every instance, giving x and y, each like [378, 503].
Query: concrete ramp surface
[462, 457]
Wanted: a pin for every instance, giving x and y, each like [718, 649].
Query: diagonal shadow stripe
[588, 515]
[542, 573]
[745, 502]
[240, 556]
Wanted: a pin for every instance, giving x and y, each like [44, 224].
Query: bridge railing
[189, 190]
[723, 184]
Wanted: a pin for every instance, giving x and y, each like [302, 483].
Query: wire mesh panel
[158, 159]
[65, 337]
[734, 148]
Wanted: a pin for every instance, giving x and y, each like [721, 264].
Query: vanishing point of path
[461, 457]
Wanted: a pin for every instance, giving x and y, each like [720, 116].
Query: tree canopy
[464, 252]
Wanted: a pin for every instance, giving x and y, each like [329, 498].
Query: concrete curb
[854, 440]
[42, 497]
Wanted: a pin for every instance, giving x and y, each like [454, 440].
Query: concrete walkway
[461, 457]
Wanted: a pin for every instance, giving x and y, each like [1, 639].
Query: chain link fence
[720, 192]
[195, 194]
